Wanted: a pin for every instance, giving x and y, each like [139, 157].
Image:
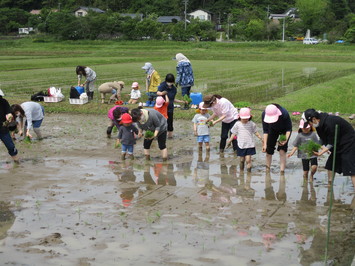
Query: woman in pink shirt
[226, 113]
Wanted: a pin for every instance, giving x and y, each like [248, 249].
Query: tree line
[239, 19]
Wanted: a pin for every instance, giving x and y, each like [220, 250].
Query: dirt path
[72, 201]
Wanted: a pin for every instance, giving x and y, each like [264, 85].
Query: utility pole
[185, 2]
[283, 30]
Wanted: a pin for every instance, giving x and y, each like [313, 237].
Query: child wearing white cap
[201, 128]
[305, 134]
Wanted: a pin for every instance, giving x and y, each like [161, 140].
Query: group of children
[243, 131]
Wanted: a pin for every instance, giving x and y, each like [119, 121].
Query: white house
[25, 30]
[201, 15]
[291, 12]
[82, 11]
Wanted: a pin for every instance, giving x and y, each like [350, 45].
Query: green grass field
[294, 75]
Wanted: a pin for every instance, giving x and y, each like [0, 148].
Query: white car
[310, 41]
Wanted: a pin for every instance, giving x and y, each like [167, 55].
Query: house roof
[168, 19]
[202, 10]
[97, 10]
[291, 12]
[35, 11]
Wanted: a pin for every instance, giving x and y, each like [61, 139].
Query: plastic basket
[51, 99]
[78, 101]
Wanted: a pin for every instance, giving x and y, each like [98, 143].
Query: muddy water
[72, 201]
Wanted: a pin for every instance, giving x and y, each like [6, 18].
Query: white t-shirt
[135, 94]
[202, 127]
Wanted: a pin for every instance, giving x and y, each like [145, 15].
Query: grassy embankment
[294, 75]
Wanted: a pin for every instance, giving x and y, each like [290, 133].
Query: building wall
[81, 13]
[200, 14]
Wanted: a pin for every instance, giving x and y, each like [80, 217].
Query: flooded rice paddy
[72, 201]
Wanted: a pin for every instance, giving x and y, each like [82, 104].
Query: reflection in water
[281, 193]
[269, 190]
[7, 219]
[202, 171]
[126, 174]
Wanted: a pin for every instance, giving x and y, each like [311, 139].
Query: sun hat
[126, 118]
[302, 124]
[135, 84]
[200, 106]
[2, 93]
[272, 113]
[147, 66]
[244, 113]
[208, 100]
[159, 101]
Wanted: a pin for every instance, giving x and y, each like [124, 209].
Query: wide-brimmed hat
[200, 106]
[272, 113]
[208, 100]
[244, 113]
[147, 66]
[126, 118]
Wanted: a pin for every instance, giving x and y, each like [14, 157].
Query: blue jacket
[184, 74]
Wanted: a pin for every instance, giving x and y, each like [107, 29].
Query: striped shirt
[244, 133]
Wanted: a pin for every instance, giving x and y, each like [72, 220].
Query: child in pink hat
[276, 122]
[135, 93]
[305, 134]
[244, 129]
[161, 105]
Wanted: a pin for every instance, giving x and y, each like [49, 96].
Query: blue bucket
[196, 97]
[80, 89]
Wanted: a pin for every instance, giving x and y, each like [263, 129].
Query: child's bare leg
[134, 101]
[207, 146]
[241, 165]
[248, 161]
[200, 146]
[313, 171]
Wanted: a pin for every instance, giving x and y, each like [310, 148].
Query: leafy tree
[255, 30]
[149, 27]
[312, 13]
[12, 18]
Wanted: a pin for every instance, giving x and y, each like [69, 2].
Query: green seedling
[210, 123]
[114, 130]
[282, 138]
[117, 145]
[187, 99]
[309, 147]
[27, 140]
[148, 134]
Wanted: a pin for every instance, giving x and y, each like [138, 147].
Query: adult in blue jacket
[276, 121]
[184, 74]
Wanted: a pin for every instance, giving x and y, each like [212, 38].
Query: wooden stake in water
[331, 194]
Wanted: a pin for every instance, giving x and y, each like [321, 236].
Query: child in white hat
[201, 127]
